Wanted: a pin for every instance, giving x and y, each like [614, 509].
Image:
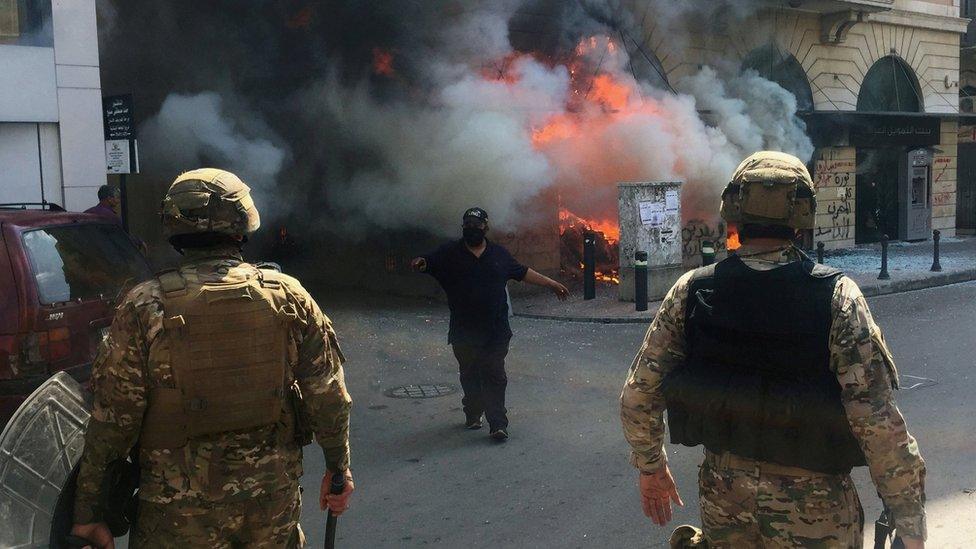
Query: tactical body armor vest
[756, 381]
[228, 358]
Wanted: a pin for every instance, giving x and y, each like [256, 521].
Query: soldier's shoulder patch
[847, 291]
[143, 293]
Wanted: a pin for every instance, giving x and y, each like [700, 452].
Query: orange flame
[609, 228]
[383, 63]
[732, 240]
[558, 127]
[610, 94]
[600, 96]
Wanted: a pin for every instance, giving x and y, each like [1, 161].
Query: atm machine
[915, 195]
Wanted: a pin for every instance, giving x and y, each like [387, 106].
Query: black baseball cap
[476, 213]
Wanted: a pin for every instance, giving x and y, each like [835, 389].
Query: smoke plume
[191, 131]
[400, 114]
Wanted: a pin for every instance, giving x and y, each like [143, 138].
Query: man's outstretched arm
[538, 279]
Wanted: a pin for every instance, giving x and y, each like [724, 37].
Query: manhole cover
[421, 391]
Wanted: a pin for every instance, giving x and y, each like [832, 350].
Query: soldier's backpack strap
[163, 424]
[294, 426]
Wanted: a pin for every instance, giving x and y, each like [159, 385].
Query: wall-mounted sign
[121, 148]
[118, 118]
[886, 130]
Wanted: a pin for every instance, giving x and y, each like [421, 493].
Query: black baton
[337, 486]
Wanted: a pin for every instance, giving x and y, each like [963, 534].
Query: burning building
[368, 140]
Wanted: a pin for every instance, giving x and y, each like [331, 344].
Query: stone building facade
[878, 84]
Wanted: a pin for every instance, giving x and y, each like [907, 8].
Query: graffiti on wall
[834, 183]
[696, 231]
[942, 164]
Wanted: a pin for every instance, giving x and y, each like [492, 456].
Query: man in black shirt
[474, 272]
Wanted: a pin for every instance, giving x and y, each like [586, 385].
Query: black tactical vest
[756, 380]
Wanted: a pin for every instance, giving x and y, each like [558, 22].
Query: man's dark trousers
[483, 380]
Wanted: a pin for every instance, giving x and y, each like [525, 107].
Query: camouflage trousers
[263, 522]
[746, 503]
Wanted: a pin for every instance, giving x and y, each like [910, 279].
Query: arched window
[781, 67]
[967, 98]
[890, 86]
[645, 64]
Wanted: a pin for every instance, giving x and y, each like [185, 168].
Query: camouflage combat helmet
[771, 188]
[209, 200]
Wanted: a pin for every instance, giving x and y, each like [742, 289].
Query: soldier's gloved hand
[657, 491]
[419, 264]
[97, 533]
[337, 503]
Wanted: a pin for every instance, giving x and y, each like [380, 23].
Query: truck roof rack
[44, 205]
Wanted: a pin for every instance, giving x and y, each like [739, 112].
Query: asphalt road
[563, 479]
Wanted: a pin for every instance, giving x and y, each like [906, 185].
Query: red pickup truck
[61, 275]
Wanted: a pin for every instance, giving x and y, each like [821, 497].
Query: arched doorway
[890, 86]
[885, 172]
[781, 67]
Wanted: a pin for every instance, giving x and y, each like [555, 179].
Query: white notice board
[651, 213]
[117, 157]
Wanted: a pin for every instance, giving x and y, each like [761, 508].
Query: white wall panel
[20, 178]
[74, 76]
[50, 139]
[82, 137]
[28, 86]
[75, 32]
[79, 199]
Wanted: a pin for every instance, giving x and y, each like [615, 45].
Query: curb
[872, 290]
[934, 281]
[593, 319]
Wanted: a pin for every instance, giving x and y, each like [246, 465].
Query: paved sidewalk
[909, 265]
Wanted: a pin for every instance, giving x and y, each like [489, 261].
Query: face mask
[474, 236]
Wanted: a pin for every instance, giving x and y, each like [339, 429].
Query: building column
[944, 167]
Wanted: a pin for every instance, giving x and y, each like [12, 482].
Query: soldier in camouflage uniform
[777, 367]
[200, 372]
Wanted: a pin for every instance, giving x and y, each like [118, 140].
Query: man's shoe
[473, 424]
[499, 435]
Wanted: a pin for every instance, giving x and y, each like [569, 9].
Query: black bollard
[936, 266]
[884, 259]
[820, 250]
[589, 265]
[707, 252]
[640, 280]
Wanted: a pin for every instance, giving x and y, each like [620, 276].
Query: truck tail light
[42, 348]
[58, 344]
[9, 357]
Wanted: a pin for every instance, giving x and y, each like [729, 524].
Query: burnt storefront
[884, 168]
[894, 163]
[877, 174]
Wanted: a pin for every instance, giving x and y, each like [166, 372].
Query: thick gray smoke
[400, 114]
[192, 131]
[474, 138]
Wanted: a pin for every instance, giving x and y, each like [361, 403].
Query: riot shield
[39, 448]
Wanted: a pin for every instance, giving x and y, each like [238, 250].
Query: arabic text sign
[883, 130]
[118, 118]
